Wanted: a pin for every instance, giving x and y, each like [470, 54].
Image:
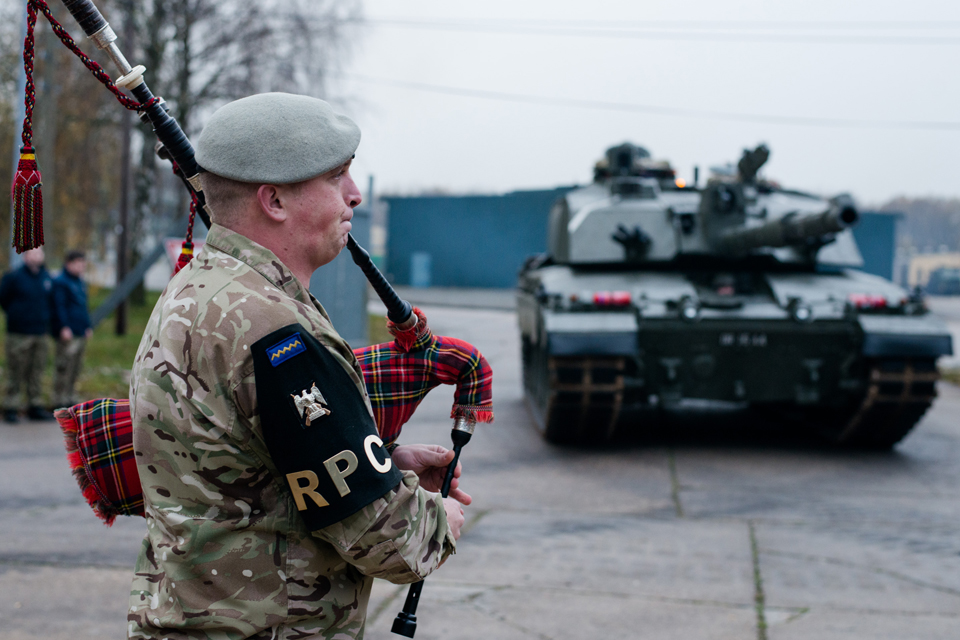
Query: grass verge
[951, 375]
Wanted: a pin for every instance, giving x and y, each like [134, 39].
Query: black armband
[318, 430]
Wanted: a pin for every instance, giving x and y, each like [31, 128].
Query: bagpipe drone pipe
[398, 375]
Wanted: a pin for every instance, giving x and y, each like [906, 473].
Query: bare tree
[202, 53]
[199, 54]
[233, 48]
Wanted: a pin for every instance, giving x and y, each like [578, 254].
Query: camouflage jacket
[226, 553]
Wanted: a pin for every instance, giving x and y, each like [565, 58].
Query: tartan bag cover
[99, 439]
[398, 375]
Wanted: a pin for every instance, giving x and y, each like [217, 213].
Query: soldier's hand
[454, 516]
[66, 335]
[429, 462]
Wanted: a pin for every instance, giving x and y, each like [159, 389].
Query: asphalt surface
[716, 529]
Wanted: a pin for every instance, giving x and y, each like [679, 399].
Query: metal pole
[126, 126]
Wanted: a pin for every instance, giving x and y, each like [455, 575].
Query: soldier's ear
[270, 202]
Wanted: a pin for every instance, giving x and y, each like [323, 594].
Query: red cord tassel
[27, 203]
[417, 336]
[186, 255]
[477, 414]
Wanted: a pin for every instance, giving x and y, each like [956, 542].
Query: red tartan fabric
[100, 449]
[398, 380]
[398, 375]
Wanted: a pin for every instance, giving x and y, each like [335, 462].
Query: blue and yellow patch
[286, 349]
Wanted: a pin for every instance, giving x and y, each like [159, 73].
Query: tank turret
[637, 212]
[654, 296]
[743, 214]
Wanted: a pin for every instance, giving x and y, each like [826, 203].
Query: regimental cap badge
[311, 404]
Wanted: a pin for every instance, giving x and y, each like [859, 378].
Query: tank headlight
[802, 313]
[689, 310]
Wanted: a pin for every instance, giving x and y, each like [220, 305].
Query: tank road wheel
[576, 399]
[536, 382]
[898, 393]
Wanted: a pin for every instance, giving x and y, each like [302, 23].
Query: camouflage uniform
[226, 554]
[26, 360]
[68, 362]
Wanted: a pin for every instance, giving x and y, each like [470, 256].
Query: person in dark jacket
[25, 295]
[71, 327]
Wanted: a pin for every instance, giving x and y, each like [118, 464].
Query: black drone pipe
[398, 310]
[165, 126]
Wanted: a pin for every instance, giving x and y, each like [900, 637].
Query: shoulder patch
[318, 430]
[285, 349]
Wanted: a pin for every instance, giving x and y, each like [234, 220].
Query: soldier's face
[323, 212]
[33, 258]
[76, 267]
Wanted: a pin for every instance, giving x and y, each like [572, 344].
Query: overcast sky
[856, 96]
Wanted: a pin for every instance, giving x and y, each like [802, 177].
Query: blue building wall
[472, 241]
[481, 241]
[876, 235]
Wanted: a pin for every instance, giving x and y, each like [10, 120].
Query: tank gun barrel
[793, 229]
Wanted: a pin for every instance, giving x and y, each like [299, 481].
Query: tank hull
[592, 371]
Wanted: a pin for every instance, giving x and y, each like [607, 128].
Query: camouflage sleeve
[401, 537]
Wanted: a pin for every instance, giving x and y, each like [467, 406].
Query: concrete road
[716, 532]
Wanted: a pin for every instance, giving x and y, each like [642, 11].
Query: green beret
[276, 138]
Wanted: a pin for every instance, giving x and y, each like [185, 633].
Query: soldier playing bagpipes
[257, 445]
[271, 501]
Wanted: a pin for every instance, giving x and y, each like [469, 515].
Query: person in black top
[71, 327]
[25, 296]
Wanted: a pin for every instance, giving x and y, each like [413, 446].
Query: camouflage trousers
[68, 362]
[26, 360]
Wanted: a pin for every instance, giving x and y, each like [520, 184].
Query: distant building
[465, 241]
[876, 236]
[922, 265]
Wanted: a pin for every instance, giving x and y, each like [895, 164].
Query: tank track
[582, 398]
[898, 393]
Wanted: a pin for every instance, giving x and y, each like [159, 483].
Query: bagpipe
[397, 375]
